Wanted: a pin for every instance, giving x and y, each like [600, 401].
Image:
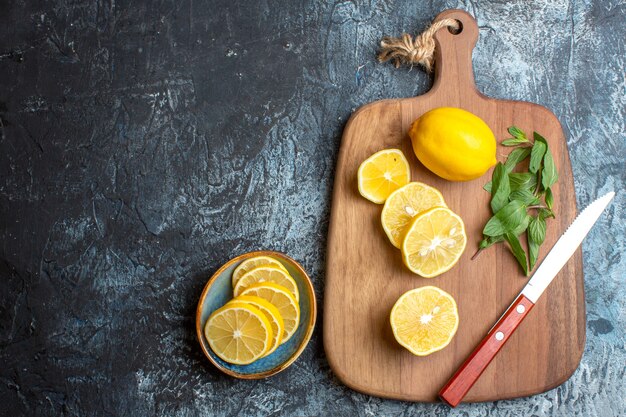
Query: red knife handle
[461, 382]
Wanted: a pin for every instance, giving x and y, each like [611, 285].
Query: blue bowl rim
[310, 326]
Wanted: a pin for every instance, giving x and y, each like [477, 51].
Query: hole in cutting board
[456, 31]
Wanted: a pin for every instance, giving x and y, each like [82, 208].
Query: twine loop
[405, 50]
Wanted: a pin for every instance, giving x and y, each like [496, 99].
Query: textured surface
[365, 274]
[142, 146]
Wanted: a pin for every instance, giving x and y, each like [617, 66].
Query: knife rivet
[520, 309]
[499, 335]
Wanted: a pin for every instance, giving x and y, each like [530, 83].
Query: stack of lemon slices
[432, 238]
[415, 216]
[263, 314]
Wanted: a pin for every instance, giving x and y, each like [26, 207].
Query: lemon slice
[239, 333]
[404, 204]
[434, 242]
[383, 173]
[267, 274]
[424, 320]
[251, 263]
[272, 314]
[283, 300]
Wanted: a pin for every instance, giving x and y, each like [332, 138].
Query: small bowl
[218, 291]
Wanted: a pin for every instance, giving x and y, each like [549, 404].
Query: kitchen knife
[461, 382]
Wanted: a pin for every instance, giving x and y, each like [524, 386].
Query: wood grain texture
[365, 274]
[468, 373]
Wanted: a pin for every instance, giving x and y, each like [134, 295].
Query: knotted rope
[408, 51]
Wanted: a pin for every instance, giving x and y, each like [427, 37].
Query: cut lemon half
[434, 242]
[272, 314]
[383, 173]
[251, 263]
[239, 333]
[267, 274]
[283, 300]
[424, 320]
[403, 205]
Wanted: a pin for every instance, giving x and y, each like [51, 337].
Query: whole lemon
[453, 143]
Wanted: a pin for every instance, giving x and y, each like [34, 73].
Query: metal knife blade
[473, 367]
[565, 247]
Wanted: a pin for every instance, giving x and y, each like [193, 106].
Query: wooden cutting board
[365, 274]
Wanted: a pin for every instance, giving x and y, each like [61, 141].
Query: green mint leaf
[545, 213]
[513, 142]
[537, 229]
[517, 133]
[522, 181]
[515, 157]
[549, 199]
[506, 219]
[536, 235]
[538, 174]
[511, 219]
[500, 188]
[521, 228]
[537, 136]
[486, 242]
[518, 251]
[490, 240]
[549, 175]
[533, 253]
[537, 153]
[525, 196]
[494, 227]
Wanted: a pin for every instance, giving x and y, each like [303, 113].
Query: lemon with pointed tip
[453, 143]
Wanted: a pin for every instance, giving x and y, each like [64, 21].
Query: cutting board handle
[454, 74]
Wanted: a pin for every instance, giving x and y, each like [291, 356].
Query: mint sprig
[521, 201]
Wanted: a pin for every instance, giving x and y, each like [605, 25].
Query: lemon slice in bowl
[255, 262]
[272, 314]
[424, 320]
[434, 242]
[267, 274]
[239, 333]
[383, 173]
[283, 300]
[403, 205]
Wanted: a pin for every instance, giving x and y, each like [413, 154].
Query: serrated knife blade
[565, 247]
[463, 379]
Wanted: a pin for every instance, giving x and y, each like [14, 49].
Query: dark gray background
[142, 145]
